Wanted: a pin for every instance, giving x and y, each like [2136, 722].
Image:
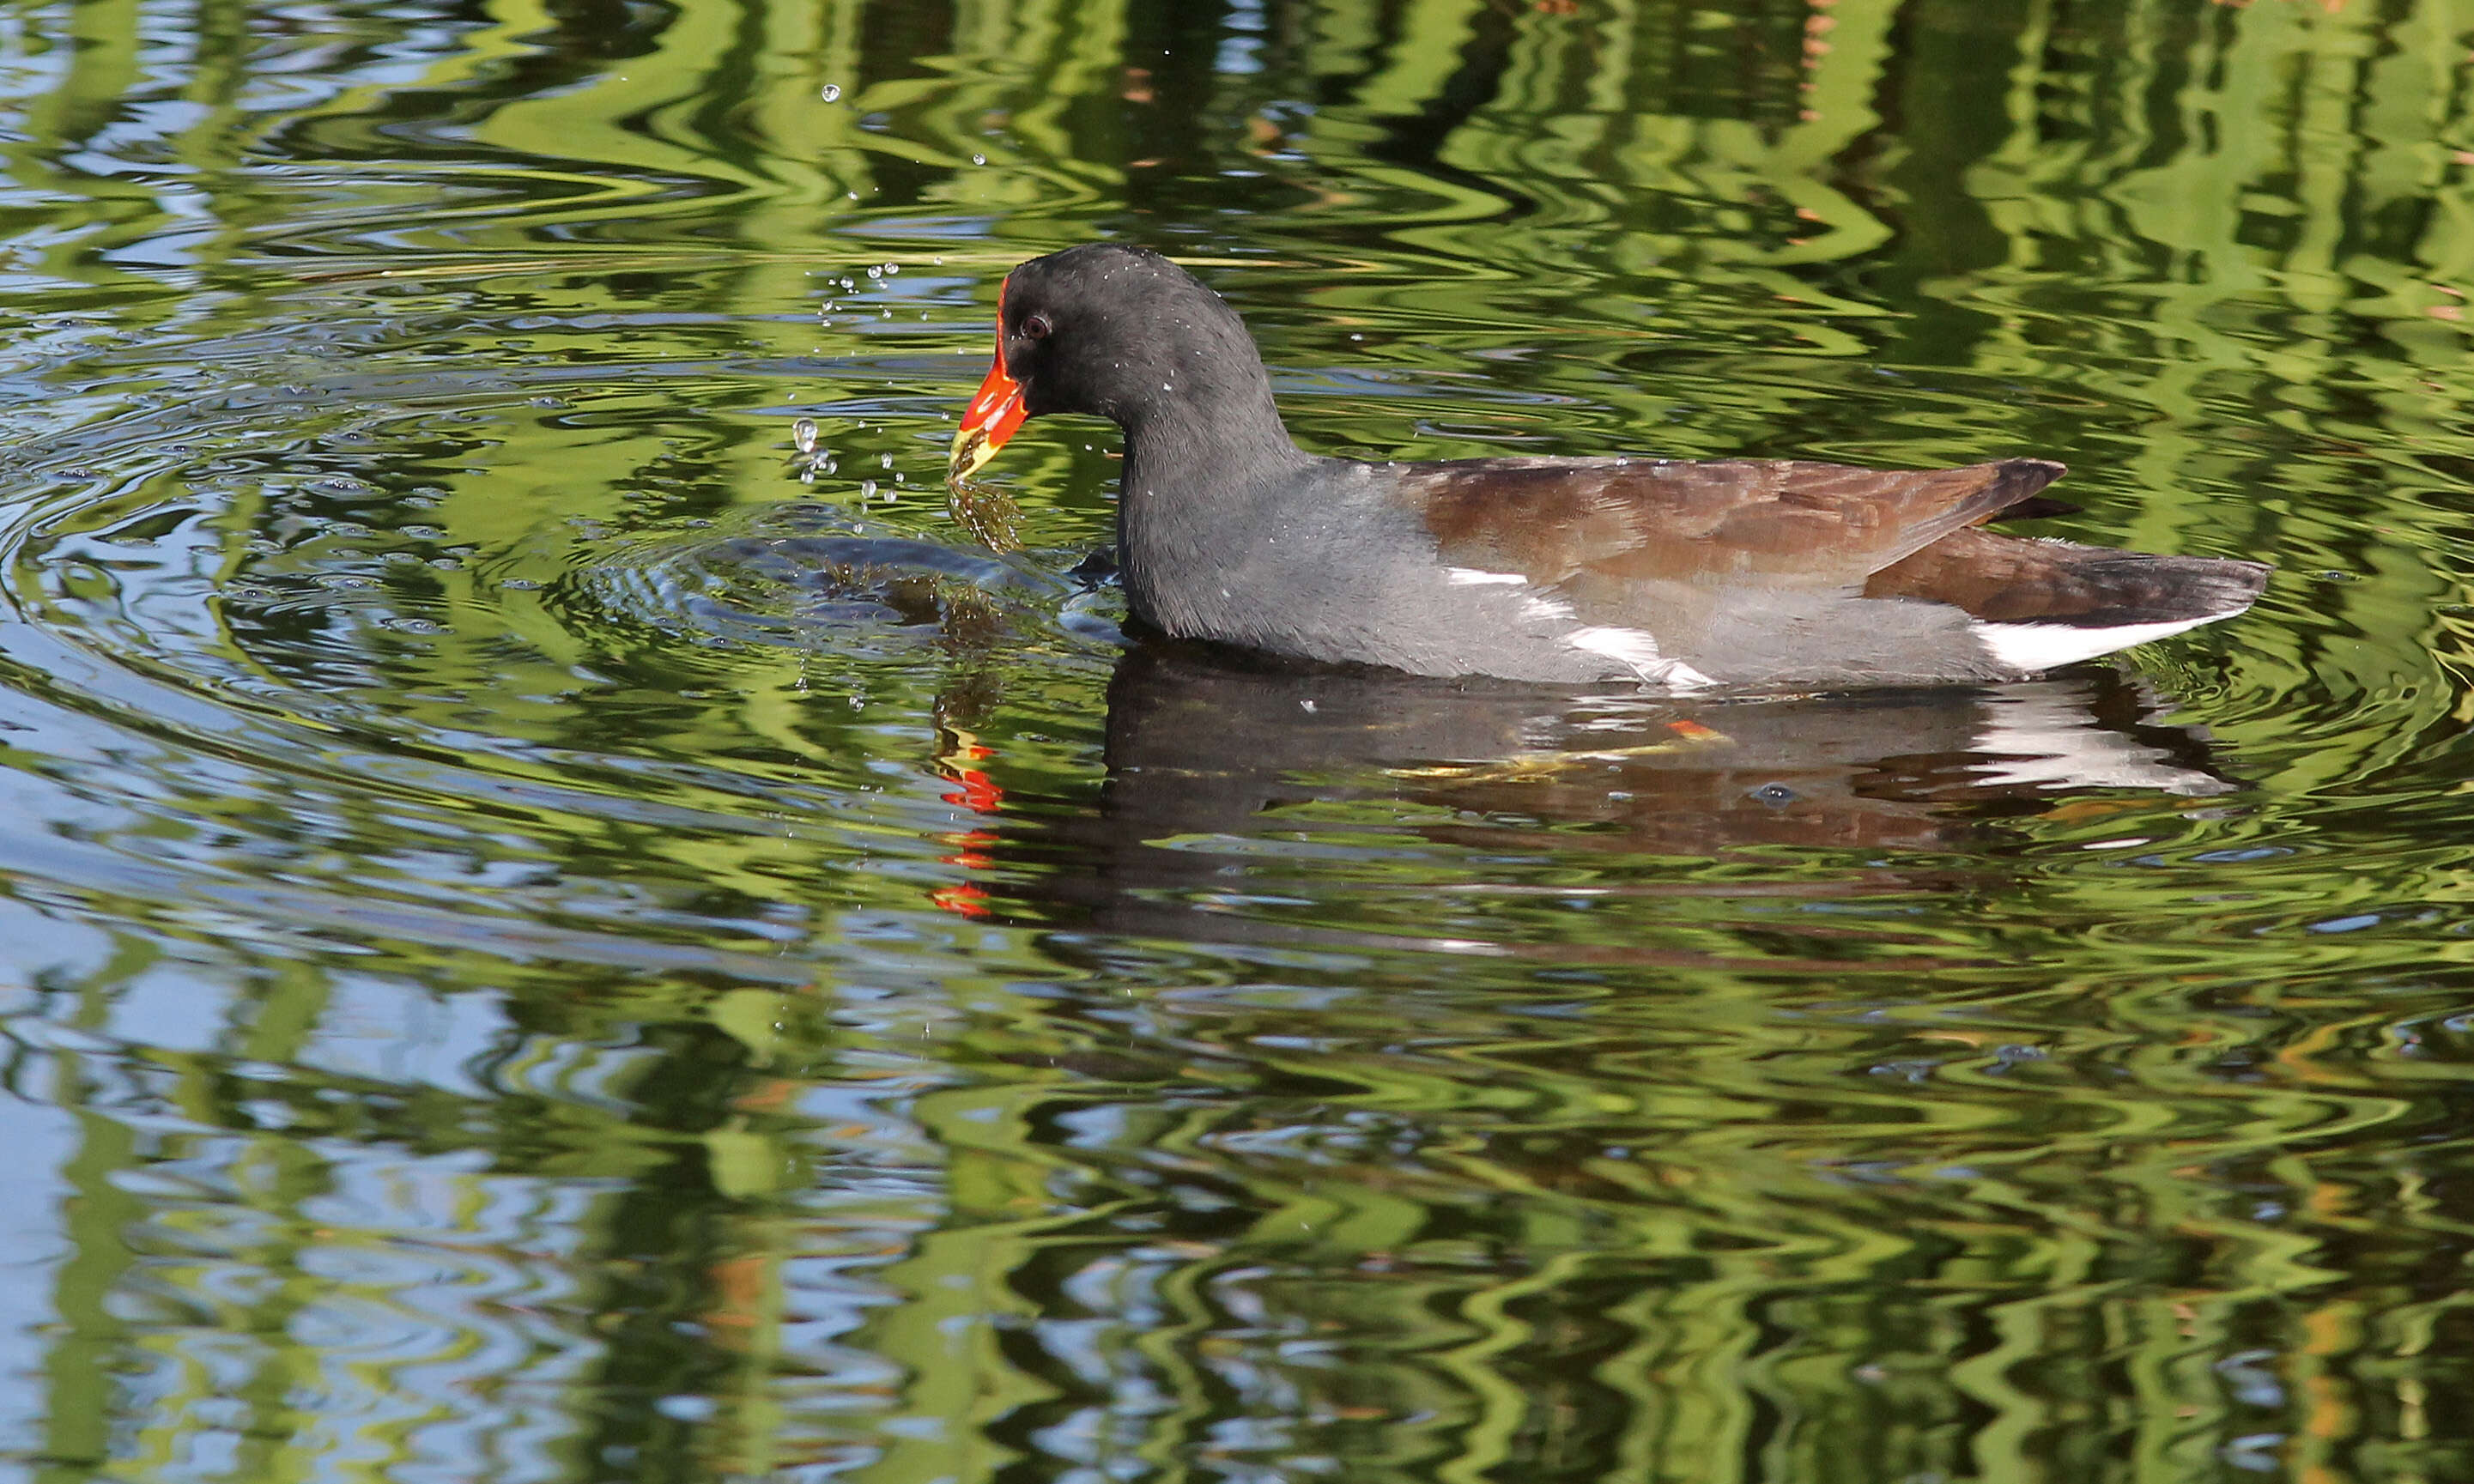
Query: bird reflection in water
[1217, 760]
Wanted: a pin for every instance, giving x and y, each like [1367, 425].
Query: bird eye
[1037, 327]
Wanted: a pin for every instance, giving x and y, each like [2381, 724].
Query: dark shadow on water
[1232, 775]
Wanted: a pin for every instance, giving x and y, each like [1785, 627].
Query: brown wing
[2006, 579]
[1783, 523]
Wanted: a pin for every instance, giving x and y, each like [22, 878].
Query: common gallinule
[1741, 573]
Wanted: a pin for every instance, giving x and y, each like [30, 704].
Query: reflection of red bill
[978, 794]
[962, 900]
[991, 418]
[1694, 731]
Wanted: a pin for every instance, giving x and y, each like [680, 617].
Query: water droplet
[891, 269]
[833, 93]
[803, 435]
[874, 272]
[979, 159]
[867, 489]
[885, 461]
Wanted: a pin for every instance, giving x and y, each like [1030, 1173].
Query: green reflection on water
[553, 935]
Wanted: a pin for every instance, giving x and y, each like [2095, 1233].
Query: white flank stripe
[1632, 646]
[2034, 646]
[1639, 653]
[1470, 576]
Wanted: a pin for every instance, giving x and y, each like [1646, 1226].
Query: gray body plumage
[1324, 562]
[1750, 574]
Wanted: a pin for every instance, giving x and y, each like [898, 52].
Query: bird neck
[1202, 467]
[1208, 434]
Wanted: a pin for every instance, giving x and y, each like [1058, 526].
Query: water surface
[548, 934]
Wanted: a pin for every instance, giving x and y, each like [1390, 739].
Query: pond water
[548, 934]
